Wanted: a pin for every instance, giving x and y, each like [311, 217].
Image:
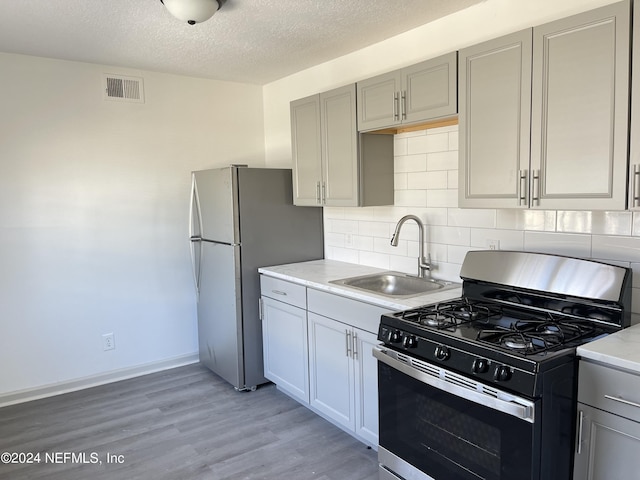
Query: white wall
[94, 199]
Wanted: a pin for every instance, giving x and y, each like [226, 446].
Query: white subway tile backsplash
[375, 229]
[508, 239]
[400, 181]
[442, 161]
[442, 198]
[374, 259]
[410, 163]
[411, 198]
[457, 253]
[472, 218]
[519, 219]
[427, 180]
[400, 145]
[616, 248]
[450, 235]
[438, 142]
[417, 144]
[570, 244]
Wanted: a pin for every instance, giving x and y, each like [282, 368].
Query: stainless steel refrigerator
[242, 219]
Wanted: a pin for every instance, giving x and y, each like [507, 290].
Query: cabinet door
[306, 150]
[634, 153]
[494, 115]
[284, 338]
[608, 448]
[331, 369]
[366, 383]
[339, 147]
[379, 101]
[580, 110]
[429, 89]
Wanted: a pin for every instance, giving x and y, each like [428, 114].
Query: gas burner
[516, 342]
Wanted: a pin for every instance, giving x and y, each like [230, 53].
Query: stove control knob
[410, 342]
[480, 365]
[442, 352]
[395, 336]
[501, 373]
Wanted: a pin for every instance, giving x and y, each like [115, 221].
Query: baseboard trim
[53, 389]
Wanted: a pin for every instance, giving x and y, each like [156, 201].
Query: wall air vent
[123, 89]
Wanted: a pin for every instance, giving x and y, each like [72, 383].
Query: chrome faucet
[424, 264]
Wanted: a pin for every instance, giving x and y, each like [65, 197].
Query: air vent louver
[123, 89]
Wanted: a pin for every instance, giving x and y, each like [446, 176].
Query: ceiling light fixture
[192, 11]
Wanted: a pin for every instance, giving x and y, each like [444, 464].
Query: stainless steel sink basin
[394, 284]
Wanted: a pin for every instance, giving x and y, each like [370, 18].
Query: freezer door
[216, 198]
[219, 312]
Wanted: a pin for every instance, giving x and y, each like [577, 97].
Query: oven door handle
[443, 380]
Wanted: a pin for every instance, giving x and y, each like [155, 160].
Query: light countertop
[620, 349]
[318, 273]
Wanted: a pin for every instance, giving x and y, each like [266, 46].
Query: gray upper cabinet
[415, 94]
[579, 116]
[333, 165]
[493, 131]
[634, 153]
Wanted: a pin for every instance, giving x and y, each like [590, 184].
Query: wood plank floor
[185, 423]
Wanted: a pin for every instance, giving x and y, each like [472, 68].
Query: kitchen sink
[395, 284]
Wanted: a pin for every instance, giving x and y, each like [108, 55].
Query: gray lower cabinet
[318, 349]
[333, 165]
[419, 93]
[284, 336]
[608, 424]
[575, 74]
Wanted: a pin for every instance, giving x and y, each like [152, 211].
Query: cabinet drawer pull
[622, 400]
[348, 342]
[396, 106]
[279, 292]
[636, 186]
[580, 425]
[404, 105]
[318, 199]
[355, 345]
[536, 188]
[522, 196]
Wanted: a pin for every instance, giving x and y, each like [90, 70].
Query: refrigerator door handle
[194, 236]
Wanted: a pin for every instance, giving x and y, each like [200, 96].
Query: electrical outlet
[108, 341]
[493, 244]
[348, 240]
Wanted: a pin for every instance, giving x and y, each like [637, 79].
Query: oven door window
[449, 437]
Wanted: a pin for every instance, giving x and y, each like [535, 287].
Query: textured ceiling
[252, 41]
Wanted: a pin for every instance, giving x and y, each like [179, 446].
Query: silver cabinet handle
[279, 292]
[318, 198]
[355, 345]
[622, 400]
[403, 105]
[636, 185]
[260, 309]
[324, 193]
[535, 200]
[348, 340]
[522, 194]
[580, 425]
[396, 106]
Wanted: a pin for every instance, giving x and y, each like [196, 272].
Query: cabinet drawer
[609, 389]
[352, 312]
[284, 291]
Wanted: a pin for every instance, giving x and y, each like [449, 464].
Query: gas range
[485, 385]
[506, 333]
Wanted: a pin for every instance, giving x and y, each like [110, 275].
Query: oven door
[435, 424]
